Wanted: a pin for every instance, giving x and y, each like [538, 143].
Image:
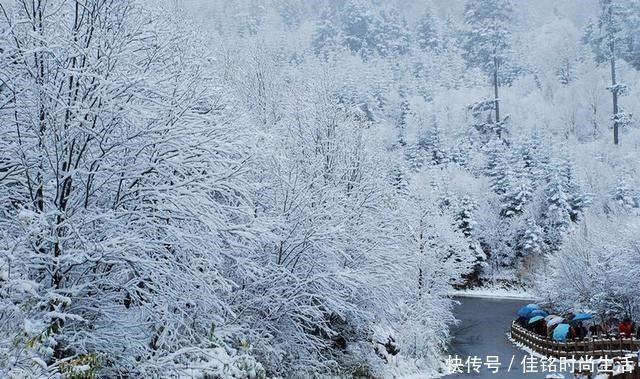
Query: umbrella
[555, 320]
[533, 306]
[582, 316]
[550, 317]
[560, 332]
[539, 312]
[535, 319]
[526, 310]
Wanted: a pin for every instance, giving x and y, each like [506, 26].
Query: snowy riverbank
[494, 293]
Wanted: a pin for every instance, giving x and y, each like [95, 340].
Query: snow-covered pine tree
[481, 117]
[487, 40]
[533, 239]
[431, 144]
[578, 199]
[557, 210]
[326, 36]
[464, 216]
[498, 168]
[391, 33]
[403, 118]
[399, 178]
[414, 158]
[459, 153]
[631, 30]
[357, 25]
[608, 45]
[427, 35]
[517, 197]
[624, 196]
[535, 157]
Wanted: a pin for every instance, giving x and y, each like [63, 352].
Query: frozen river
[482, 332]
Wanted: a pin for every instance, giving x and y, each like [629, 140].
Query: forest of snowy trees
[221, 189]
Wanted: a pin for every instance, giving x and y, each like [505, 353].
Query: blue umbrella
[582, 316]
[539, 312]
[533, 306]
[526, 310]
[560, 332]
[535, 318]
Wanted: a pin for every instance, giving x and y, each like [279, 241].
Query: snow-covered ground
[494, 293]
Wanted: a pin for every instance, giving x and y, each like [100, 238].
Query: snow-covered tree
[391, 33]
[431, 144]
[517, 197]
[358, 24]
[597, 266]
[499, 168]
[608, 45]
[624, 196]
[427, 35]
[532, 242]
[122, 194]
[326, 36]
[488, 39]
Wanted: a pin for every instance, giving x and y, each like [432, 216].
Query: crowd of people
[571, 326]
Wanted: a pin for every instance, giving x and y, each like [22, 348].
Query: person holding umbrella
[537, 325]
[578, 331]
[560, 332]
[525, 313]
[552, 321]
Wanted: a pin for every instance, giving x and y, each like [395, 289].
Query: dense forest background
[292, 189]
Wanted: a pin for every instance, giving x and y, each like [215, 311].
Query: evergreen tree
[624, 196]
[326, 36]
[459, 153]
[399, 179]
[535, 156]
[578, 200]
[566, 72]
[464, 216]
[608, 45]
[357, 28]
[514, 201]
[482, 121]
[452, 36]
[532, 241]
[414, 158]
[632, 33]
[390, 33]
[431, 144]
[558, 210]
[427, 35]
[488, 39]
[564, 201]
[498, 169]
[402, 118]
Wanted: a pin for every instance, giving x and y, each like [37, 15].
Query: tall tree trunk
[614, 90]
[495, 88]
[614, 93]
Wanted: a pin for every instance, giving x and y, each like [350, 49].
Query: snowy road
[482, 332]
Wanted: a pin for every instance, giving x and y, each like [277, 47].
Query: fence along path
[592, 348]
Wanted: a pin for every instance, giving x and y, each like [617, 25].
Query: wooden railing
[593, 348]
[588, 348]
